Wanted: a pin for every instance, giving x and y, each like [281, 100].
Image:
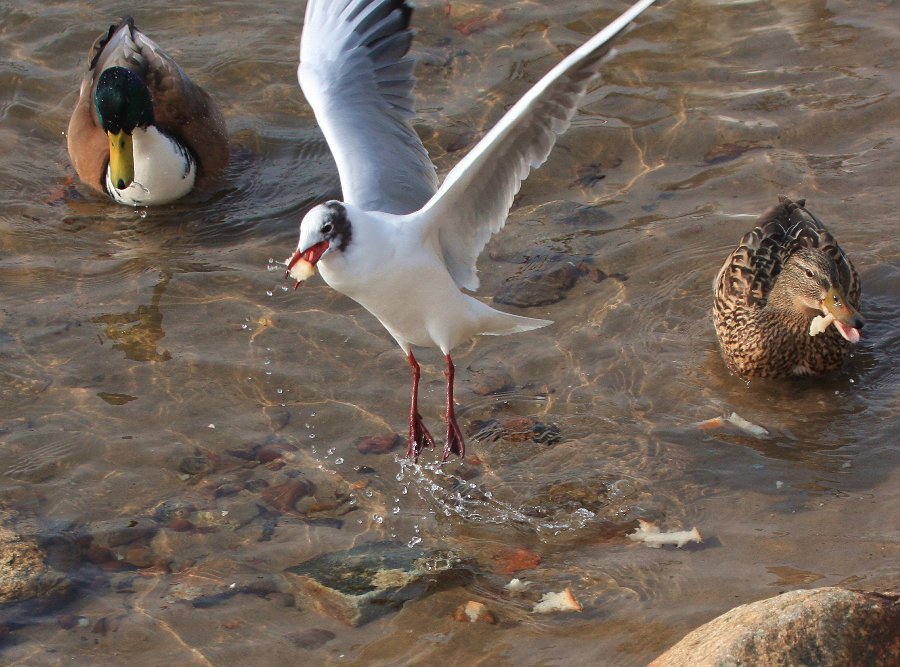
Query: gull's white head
[323, 230]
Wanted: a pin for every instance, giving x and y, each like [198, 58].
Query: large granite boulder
[823, 626]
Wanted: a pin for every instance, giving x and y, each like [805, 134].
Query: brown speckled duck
[787, 298]
[142, 131]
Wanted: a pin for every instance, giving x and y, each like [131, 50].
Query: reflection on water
[174, 494]
[138, 333]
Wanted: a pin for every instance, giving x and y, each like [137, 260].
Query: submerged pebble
[379, 444]
[311, 638]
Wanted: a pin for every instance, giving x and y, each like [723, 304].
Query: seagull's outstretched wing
[475, 197]
[357, 76]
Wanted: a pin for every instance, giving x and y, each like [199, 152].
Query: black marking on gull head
[336, 225]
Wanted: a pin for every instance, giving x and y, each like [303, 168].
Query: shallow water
[134, 341]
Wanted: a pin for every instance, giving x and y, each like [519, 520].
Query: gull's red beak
[311, 256]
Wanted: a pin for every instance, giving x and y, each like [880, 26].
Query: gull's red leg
[454, 443]
[418, 435]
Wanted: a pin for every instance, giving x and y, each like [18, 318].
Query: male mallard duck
[142, 132]
[787, 298]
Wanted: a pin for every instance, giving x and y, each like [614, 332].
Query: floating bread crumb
[474, 612]
[735, 420]
[744, 425]
[650, 534]
[708, 424]
[516, 585]
[562, 601]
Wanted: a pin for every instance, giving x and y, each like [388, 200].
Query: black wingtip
[407, 11]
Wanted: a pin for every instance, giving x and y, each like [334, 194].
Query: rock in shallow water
[539, 287]
[26, 578]
[372, 579]
[380, 444]
[311, 638]
[823, 626]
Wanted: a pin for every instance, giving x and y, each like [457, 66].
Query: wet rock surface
[35, 576]
[566, 497]
[24, 574]
[515, 430]
[539, 286]
[372, 579]
[380, 444]
[256, 493]
[545, 280]
[823, 626]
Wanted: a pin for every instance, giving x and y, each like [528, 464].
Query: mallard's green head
[123, 103]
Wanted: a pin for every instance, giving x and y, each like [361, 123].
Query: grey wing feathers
[357, 75]
[479, 190]
[525, 146]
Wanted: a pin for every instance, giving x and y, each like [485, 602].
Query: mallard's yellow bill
[121, 160]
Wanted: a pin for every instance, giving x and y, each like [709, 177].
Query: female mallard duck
[142, 132]
[787, 298]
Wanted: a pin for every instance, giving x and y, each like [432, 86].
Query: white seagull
[398, 244]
